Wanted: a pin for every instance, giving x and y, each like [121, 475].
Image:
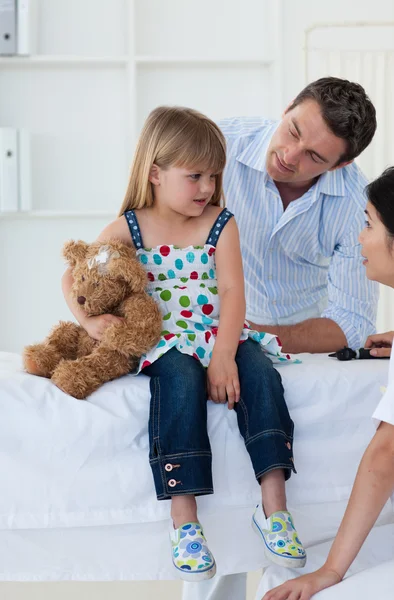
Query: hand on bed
[223, 380]
[96, 326]
[303, 588]
[381, 343]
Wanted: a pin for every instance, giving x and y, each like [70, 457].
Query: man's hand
[380, 344]
[223, 380]
[303, 588]
[313, 335]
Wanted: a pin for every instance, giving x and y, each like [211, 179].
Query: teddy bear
[107, 278]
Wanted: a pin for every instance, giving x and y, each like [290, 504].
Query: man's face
[303, 147]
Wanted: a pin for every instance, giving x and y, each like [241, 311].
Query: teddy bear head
[104, 273]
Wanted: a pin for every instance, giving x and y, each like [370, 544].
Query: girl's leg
[180, 452]
[267, 429]
[265, 423]
[180, 456]
[183, 510]
[273, 491]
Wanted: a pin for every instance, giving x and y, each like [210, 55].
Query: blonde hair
[180, 137]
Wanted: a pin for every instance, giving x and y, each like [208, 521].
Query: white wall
[300, 14]
[104, 66]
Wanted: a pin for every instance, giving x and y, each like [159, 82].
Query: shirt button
[168, 467]
[172, 483]
[273, 301]
[269, 276]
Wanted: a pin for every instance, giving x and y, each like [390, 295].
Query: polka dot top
[183, 283]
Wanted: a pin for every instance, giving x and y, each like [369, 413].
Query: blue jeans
[180, 452]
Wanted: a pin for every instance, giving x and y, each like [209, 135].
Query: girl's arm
[231, 290]
[95, 326]
[223, 382]
[372, 488]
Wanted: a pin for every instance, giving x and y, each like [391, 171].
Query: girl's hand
[223, 380]
[380, 343]
[303, 588]
[95, 326]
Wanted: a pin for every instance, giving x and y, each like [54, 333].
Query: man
[298, 199]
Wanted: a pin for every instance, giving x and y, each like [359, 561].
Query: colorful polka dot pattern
[183, 283]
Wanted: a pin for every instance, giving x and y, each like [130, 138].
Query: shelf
[53, 214]
[123, 61]
[63, 61]
[206, 62]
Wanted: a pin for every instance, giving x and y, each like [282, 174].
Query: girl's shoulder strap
[134, 228]
[218, 226]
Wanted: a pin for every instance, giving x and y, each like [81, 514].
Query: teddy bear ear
[130, 269]
[74, 252]
[137, 277]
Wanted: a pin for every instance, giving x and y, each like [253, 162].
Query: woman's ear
[154, 175]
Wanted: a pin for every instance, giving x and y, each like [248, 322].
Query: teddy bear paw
[39, 359]
[74, 379]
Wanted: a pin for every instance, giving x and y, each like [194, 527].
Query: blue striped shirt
[303, 262]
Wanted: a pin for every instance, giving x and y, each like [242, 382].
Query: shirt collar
[254, 154]
[330, 183]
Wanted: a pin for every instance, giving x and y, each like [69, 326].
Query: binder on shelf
[7, 27]
[8, 170]
[25, 27]
[24, 171]
[15, 171]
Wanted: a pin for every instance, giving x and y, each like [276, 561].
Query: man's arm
[352, 304]
[313, 335]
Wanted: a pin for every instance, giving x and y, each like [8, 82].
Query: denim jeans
[180, 452]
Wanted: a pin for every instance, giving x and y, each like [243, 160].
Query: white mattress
[79, 490]
[370, 576]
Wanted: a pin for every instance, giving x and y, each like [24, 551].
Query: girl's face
[377, 248]
[185, 191]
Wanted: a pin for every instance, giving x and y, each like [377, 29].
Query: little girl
[190, 249]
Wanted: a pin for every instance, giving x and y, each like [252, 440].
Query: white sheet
[118, 552]
[370, 576]
[71, 464]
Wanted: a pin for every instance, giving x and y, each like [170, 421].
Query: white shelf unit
[62, 61]
[57, 214]
[99, 67]
[207, 62]
[87, 91]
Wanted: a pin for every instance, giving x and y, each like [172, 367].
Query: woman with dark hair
[375, 477]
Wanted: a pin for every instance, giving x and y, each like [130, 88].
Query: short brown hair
[346, 109]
